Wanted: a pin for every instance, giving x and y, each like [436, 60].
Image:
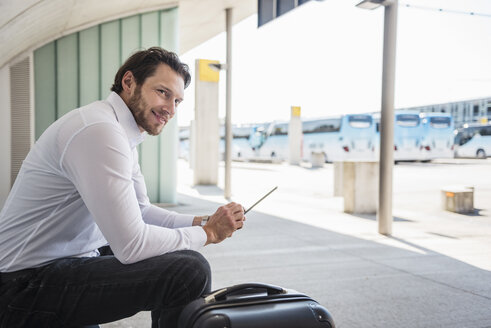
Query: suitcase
[255, 305]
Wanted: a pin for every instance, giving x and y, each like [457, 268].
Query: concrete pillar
[206, 136]
[360, 187]
[458, 199]
[384, 215]
[192, 132]
[338, 179]
[317, 159]
[295, 136]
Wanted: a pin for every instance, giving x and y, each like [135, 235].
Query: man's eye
[162, 91]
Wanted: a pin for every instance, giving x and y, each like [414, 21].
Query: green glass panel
[130, 36]
[150, 148]
[169, 137]
[150, 166]
[89, 65]
[168, 30]
[45, 86]
[168, 162]
[80, 68]
[150, 29]
[67, 74]
[110, 56]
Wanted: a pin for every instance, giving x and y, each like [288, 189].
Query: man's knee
[197, 270]
[197, 260]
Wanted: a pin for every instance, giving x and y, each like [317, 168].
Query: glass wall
[79, 68]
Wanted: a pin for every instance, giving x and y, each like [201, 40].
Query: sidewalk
[434, 271]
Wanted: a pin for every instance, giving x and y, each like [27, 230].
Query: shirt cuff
[162, 217]
[183, 220]
[197, 237]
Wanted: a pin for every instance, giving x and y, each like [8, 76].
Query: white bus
[322, 136]
[347, 137]
[269, 141]
[473, 140]
[357, 137]
[438, 136]
[336, 138]
[241, 149]
[408, 132]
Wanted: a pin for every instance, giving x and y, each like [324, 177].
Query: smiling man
[80, 243]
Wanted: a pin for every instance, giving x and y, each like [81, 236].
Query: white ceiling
[26, 25]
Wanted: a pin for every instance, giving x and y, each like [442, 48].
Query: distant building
[466, 111]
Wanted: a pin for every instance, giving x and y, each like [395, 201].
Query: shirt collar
[126, 119]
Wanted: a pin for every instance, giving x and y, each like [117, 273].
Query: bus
[269, 141]
[408, 132]
[473, 140]
[357, 137]
[322, 136]
[336, 138]
[241, 149]
[438, 136]
[347, 137]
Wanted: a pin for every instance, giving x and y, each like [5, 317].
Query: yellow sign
[296, 111]
[484, 120]
[206, 73]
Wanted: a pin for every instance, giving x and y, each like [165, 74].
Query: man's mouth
[161, 118]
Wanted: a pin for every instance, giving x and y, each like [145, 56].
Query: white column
[338, 179]
[206, 137]
[384, 215]
[360, 187]
[228, 113]
[295, 136]
[192, 142]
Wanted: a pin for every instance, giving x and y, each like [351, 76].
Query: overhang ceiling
[26, 25]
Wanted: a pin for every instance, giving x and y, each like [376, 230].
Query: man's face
[155, 102]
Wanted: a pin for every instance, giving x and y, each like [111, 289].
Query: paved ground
[434, 271]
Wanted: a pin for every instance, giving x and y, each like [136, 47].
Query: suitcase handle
[244, 289]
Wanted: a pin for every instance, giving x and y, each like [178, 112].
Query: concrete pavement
[434, 271]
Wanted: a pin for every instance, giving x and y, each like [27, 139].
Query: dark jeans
[76, 292]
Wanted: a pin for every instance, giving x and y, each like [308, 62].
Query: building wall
[79, 68]
[4, 134]
[467, 111]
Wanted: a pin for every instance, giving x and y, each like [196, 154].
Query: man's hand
[224, 222]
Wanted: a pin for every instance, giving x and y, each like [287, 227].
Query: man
[80, 188]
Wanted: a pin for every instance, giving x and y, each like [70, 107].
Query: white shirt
[80, 187]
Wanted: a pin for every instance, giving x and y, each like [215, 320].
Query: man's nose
[171, 107]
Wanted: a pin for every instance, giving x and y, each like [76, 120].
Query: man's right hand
[223, 223]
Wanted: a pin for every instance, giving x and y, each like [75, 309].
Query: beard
[143, 118]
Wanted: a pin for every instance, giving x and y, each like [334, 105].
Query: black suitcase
[255, 305]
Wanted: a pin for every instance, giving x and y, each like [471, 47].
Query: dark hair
[144, 63]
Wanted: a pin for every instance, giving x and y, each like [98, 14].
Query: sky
[326, 56]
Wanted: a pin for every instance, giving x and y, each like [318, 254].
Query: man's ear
[128, 82]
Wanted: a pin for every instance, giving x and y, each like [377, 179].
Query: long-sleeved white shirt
[80, 187]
